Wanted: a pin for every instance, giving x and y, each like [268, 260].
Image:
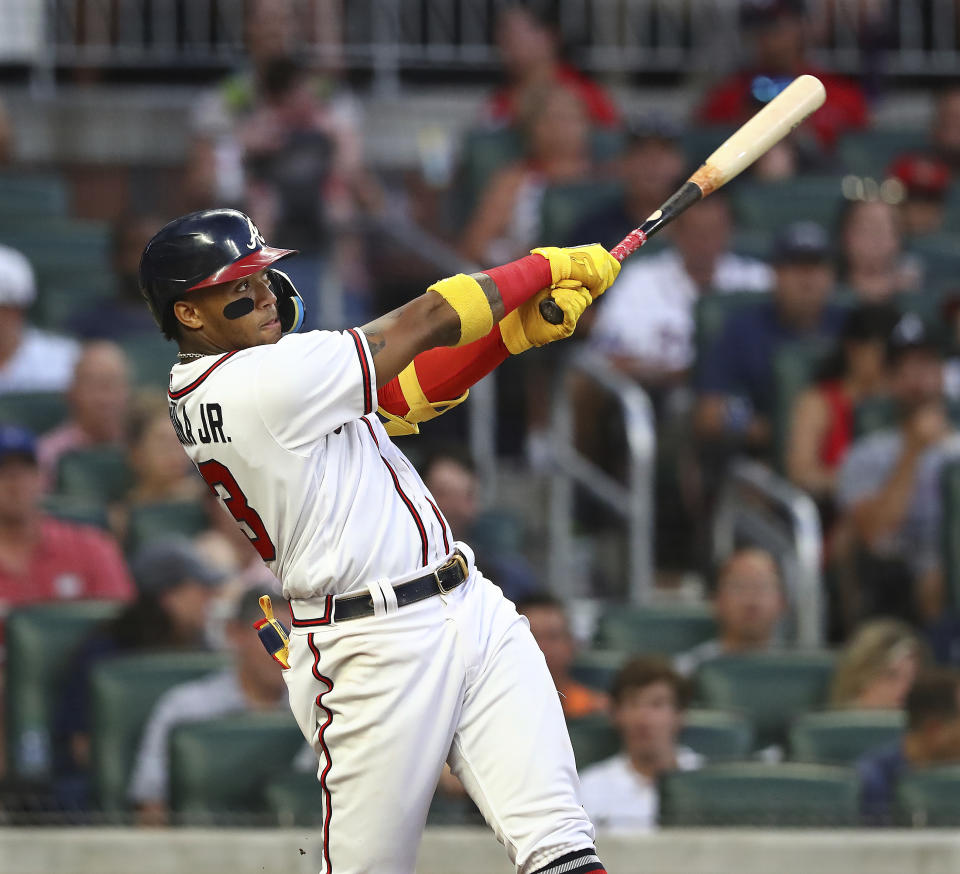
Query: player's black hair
[640, 672]
[934, 695]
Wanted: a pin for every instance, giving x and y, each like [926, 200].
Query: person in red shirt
[529, 48]
[776, 34]
[42, 558]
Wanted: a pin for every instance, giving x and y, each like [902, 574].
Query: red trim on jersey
[403, 496]
[443, 525]
[327, 813]
[246, 266]
[365, 367]
[313, 623]
[176, 395]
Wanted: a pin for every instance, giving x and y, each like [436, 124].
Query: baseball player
[402, 655]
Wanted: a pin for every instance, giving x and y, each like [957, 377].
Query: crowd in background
[858, 297]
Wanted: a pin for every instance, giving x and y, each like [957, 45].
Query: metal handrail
[760, 507]
[632, 500]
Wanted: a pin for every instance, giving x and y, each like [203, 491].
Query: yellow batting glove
[592, 266]
[525, 327]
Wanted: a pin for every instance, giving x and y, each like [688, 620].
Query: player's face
[226, 318]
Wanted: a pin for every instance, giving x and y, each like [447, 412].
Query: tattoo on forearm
[493, 295]
[375, 341]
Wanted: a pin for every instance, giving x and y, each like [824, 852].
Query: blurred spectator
[99, 402]
[878, 667]
[529, 43]
[649, 699]
[777, 42]
[822, 422]
[123, 315]
[551, 629]
[174, 590]
[926, 182]
[658, 349]
[932, 738]
[495, 537]
[946, 127]
[873, 264]
[30, 359]
[748, 604]
[254, 682]
[649, 168]
[6, 136]
[889, 486]
[950, 327]
[735, 379]
[161, 470]
[506, 222]
[42, 558]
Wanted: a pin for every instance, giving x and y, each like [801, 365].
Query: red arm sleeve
[447, 372]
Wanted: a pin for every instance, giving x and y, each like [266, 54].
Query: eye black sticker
[237, 309]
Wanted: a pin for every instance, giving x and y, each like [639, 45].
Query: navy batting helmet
[206, 248]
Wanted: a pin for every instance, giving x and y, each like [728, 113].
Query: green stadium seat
[40, 640]
[123, 692]
[950, 530]
[753, 242]
[930, 797]
[667, 630]
[220, 767]
[31, 196]
[80, 511]
[99, 474]
[771, 689]
[870, 153]
[770, 206]
[700, 140]
[61, 298]
[840, 737]
[717, 735]
[594, 738]
[151, 356]
[794, 366]
[154, 521]
[39, 411]
[483, 153]
[754, 794]
[295, 799]
[940, 254]
[873, 414]
[565, 206]
[596, 668]
[55, 246]
[712, 312]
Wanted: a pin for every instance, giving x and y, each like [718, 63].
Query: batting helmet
[206, 248]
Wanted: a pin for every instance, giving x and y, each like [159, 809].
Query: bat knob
[551, 312]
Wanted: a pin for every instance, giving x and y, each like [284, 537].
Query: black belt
[442, 580]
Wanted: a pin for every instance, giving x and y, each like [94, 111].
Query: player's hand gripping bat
[771, 124]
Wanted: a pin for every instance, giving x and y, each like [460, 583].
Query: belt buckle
[457, 558]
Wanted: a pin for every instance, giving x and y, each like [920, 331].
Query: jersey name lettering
[209, 429]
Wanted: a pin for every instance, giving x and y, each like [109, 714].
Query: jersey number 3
[217, 474]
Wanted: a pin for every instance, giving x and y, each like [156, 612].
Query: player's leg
[511, 749]
[378, 702]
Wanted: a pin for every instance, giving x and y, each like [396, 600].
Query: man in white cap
[30, 359]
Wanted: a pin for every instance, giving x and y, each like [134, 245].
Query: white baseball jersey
[287, 436]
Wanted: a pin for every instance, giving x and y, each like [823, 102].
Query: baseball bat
[801, 98]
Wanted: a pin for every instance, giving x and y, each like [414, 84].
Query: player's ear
[187, 313]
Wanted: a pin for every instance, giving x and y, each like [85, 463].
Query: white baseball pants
[385, 700]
